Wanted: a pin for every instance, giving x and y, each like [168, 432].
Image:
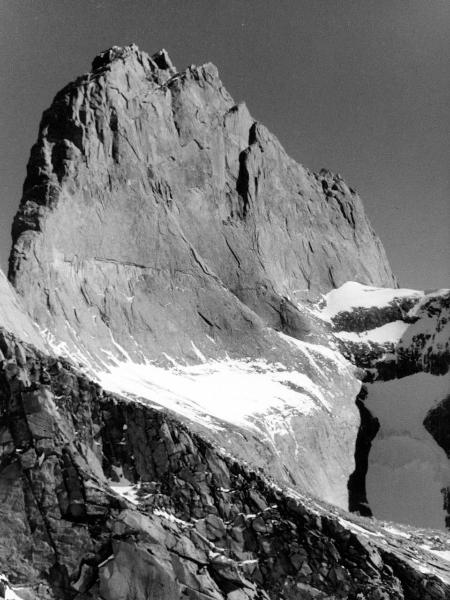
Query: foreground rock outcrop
[105, 498]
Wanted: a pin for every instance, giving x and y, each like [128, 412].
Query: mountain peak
[160, 61]
[180, 182]
[202, 298]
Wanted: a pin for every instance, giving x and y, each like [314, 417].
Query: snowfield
[408, 470]
[390, 332]
[233, 391]
[353, 295]
[8, 592]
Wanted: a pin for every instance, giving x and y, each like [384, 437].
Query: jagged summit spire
[160, 60]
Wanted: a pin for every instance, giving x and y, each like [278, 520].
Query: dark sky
[359, 86]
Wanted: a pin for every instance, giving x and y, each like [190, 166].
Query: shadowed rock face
[437, 423]
[157, 210]
[368, 429]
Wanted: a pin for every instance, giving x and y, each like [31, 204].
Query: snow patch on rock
[353, 295]
[7, 593]
[390, 332]
[239, 392]
[124, 487]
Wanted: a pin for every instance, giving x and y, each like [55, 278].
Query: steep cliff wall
[15, 319]
[161, 226]
[157, 211]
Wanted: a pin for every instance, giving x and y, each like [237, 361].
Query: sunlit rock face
[161, 227]
[157, 212]
[401, 339]
[14, 318]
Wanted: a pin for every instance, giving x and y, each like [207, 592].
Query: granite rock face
[14, 318]
[157, 212]
[160, 223]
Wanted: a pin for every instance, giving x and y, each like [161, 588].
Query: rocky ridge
[107, 498]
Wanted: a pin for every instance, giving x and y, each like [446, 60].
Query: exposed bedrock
[159, 222]
[14, 318]
[157, 211]
[409, 334]
[437, 422]
[197, 524]
[168, 247]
